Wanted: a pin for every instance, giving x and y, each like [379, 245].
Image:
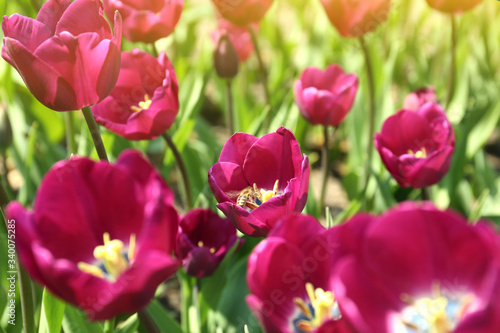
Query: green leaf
[482, 130]
[75, 322]
[163, 319]
[128, 326]
[52, 313]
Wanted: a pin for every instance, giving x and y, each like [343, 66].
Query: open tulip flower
[203, 241]
[243, 12]
[356, 18]
[419, 97]
[67, 56]
[257, 181]
[100, 235]
[413, 269]
[417, 146]
[146, 21]
[145, 100]
[325, 97]
[453, 6]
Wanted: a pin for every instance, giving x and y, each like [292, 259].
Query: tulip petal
[236, 148]
[51, 12]
[26, 31]
[243, 220]
[226, 181]
[83, 16]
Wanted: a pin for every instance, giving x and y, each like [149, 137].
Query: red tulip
[325, 98]
[146, 21]
[257, 181]
[145, 101]
[203, 241]
[354, 18]
[100, 235]
[67, 56]
[419, 97]
[243, 12]
[417, 146]
[240, 37]
[453, 6]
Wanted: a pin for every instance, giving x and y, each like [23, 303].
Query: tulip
[100, 235]
[203, 240]
[67, 56]
[325, 98]
[243, 12]
[146, 21]
[419, 97]
[240, 38]
[419, 269]
[417, 146]
[257, 181]
[453, 6]
[356, 18]
[145, 101]
[413, 269]
[226, 61]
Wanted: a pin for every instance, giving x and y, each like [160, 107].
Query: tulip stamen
[320, 308]
[422, 153]
[253, 197]
[112, 258]
[143, 105]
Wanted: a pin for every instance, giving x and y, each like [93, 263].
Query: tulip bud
[225, 58]
[5, 129]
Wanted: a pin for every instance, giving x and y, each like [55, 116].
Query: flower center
[436, 314]
[212, 249]
[253, 197]
[320, 308]
[143, 105]
[112, 258]
[422, 153]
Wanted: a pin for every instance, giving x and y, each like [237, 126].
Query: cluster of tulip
[103, 236]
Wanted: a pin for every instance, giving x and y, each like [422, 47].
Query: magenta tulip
[325, 97]
[417, 146]
[418, 269]
[100, 235]
[453, 6]
[67, 56]
[145, 100]
[243, 12]
[203, 241]
[356, 18]
[419, 97]
[257, 181]
[146, 21]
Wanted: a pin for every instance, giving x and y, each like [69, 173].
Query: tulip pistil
[113, 258]
[436, 314]
[143, 105]
[320, 308]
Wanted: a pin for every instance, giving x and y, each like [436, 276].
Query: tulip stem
[154, 50]
[451, 77]
[262, 67]
[425, 194]
[326, 166]
[4, 198]
[147, 322]
[70, 132]
[371, 110]
[96, 135]
[230, 111]
[182, 169]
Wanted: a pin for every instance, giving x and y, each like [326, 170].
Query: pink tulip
[419, 97]
[145, 101]
[243, 12]
[325, 98]
[67, 56]
[354, 18]
[146, 21]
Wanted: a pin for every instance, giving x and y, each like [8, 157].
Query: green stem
[109, 325]
[326, 167]
[154, 50]
[425, 194]
[371, 110]
[262, 67]
[70, 132]
[94, 132]
[186, 297]
[25, 287]
[182, 169]
[451, 77]
[230, 111]
[147, 322]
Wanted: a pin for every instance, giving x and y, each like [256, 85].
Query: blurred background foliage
[410, 50]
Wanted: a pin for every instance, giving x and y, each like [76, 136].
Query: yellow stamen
[143, 105]
[200, 243]
[303, 307]
[90, 269]
[212, 250]
[422, 153]
[131, 248]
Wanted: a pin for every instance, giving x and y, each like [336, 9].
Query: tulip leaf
[162, 318]
[128, 326]
[75, 321]
[352, 209]
[52, 313]
[482, 130]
